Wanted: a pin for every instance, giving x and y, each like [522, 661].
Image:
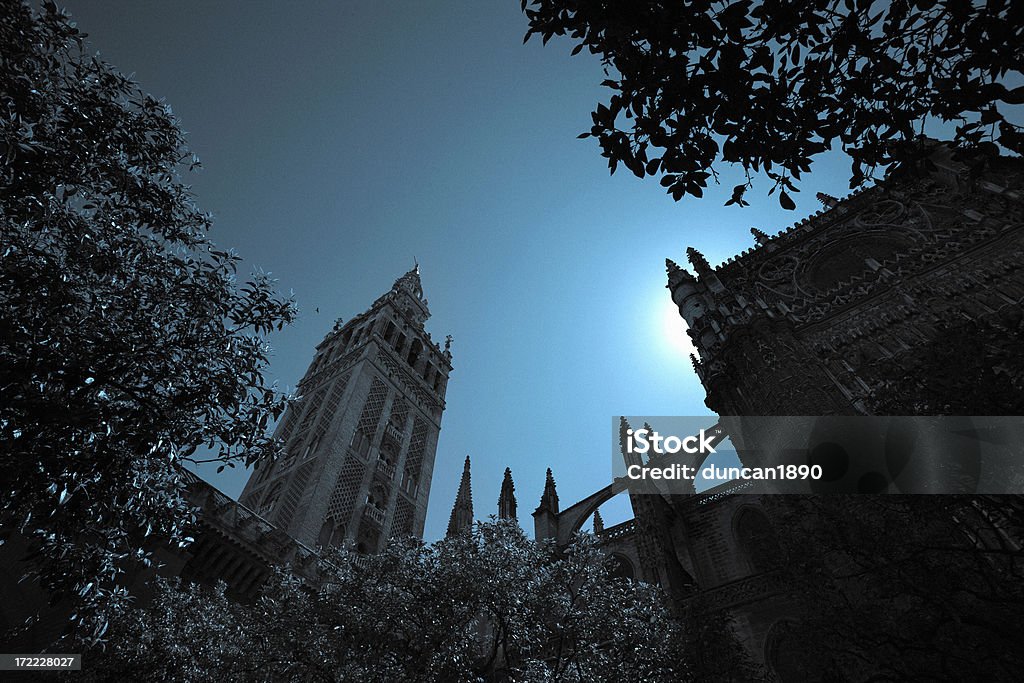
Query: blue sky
[341, 140]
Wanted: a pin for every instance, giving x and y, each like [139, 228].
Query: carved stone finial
[676, 275]
[598, 522]
[827, 200]
[448, 344]
[760, 236]
[697, 260]
[549, 501]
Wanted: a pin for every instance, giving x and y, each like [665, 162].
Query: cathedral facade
[813, 320]
[836, 315]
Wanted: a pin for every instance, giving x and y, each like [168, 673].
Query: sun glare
[673, 330]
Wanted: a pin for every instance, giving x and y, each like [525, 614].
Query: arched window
[332, 533]
[360, 443]
[620, 567]
[409, 482]
[326, 529]
[377, 497]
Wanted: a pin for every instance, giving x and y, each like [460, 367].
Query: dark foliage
[485, 605]
[769, 85]
[126, 340]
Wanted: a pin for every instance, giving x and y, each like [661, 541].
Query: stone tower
[360, 442]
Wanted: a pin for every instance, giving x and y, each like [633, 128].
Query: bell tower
[360, 442]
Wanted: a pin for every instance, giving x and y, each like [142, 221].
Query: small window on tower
[270, 500]
[414, 352]
[360, 443]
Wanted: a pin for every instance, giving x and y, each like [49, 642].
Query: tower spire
[676, 275]
[549, 501]
[410, 282]
[462, 512]
[507, 499]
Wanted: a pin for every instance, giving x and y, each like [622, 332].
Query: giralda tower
[360, 443]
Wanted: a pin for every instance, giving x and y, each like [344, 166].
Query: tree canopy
[127, 341]
[485, 605]
[769, 85]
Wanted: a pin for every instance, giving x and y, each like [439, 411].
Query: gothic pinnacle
[827, 200]
[549, 500]
[697, 260]
[676, 274]
[507, 499]
[462, 512]
[623, 429]
[759, 236]
[598, 522]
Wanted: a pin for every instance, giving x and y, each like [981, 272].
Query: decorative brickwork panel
[399, 412]
[344, 494]
[331, 405]
[288, 424]
[295, 490]
[312, 410]
[417, 445]
[404, 510]
[374, 406]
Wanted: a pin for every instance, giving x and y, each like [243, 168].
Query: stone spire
[676, 275]
[549, 501]
[827, 200]
[410, 281]
[507, 499]
[462, 512]
[598, 522]
[697, 260]
[760, 237]
[407, 294]
[628, 457]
